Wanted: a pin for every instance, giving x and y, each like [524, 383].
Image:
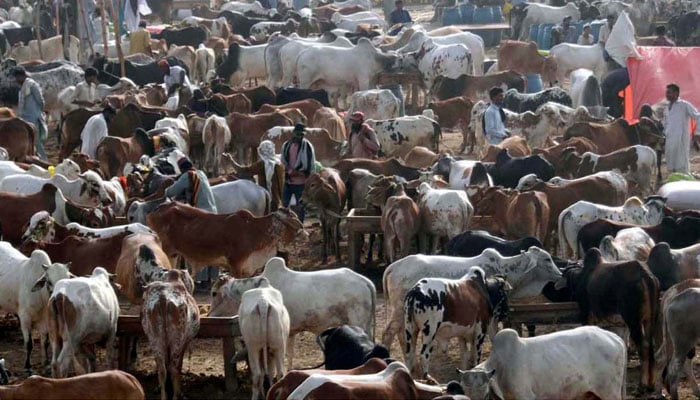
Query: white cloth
[172, 102]
[132, 18]
[604, 33]
[266, 151]
[676, 125]
[95, 129]
[621, 43]
[174, 77]
[493, 125]
[86, 92]
[586, 41]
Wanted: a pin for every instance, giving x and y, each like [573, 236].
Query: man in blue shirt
[399, 15]
[494, 118]
[30, 108]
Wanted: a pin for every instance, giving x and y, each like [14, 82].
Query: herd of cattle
[564, 209]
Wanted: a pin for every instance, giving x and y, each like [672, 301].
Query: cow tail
[564, 216]
[652, 298]
[53, 325]
[169, 389]
[264, 310]
[387, 309]
[437, 135]
[268, 203]
[372, 319]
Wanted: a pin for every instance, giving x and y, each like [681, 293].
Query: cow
[509, 170]
[103, 385]
[17, 138]
[599, 370]
[134, 116]
[604, 290]
[475, 87]
[671, 266]
[88, 190]
[618, 134]
[51, 49]
[433, 59]
[455, 112]
[474, 43]
[574, 217]
[307, 107]
[204, 59]
[242, 63]
[527, 273]
[185, 54]
[553, 154]
[399, 135]
[400, 223]
[473, 243]
[22, 283]
[469, 308]
[516, 146]
[444, 213]
[524, 58]
[546, 14]
[82, 312]
[140, 74]
[246, 130]
[328, 119]
[203, 243]
[515, 215]
[636, 163]
[388, 167]
[341, 296]
[627, 244]
[263, 30]
[67, 168]
[346, 347]
[327, 192]
[170, 320]
[375, 104]
[420, 157]
[287, 95]
[461, 174]
[187, 36]
[114, 152]
[43, 227]
[519, 102]
[216, 137]
[258, 95]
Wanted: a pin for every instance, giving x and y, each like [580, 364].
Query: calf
[673, 266]
[440, 309]
[516, 145]
[628, 244]
[473, 243]
[508, 170]
[170, 320]
[515, 215]
[525, 59]
[517, 366]
[347, 347]
[553, 154]
[455, 112]
[82, 313]
[328, 193]
[340, 296]
[619, 134]
[400, 223]
[328, 119]
[22, 283]
[444, 212]
[604, 290]
[104, 385]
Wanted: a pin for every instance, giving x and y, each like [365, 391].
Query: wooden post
[117, 34]
[105, 37]
[81, 10]
[37, 26]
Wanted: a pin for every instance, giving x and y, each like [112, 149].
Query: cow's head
[40, 228]
[569, 162]
[226, 294]
[51, 274]
[477, 383]
[93, 187]
[540, 271]
[443, 165]
[528, 182]
[655, 208]
[68, 168]
[291, 227]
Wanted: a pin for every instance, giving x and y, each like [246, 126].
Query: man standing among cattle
[174, 75]
[269, 170]
[140, 40]
[86, 92]
[494, 118]
[95, 130]
[399, 16]
[606, 29]
[299, 161]
[30, 107]
[362, 140]
[676, 122]
[586, 37]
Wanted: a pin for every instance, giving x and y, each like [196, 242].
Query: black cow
[189, 36]
[629, 289]
[142, 74]
[614, 82]
[508, 170]
[19, 35]
[347, 347]
[446, 88]
[231, 63]
[473, 243]
[669, 269]
[677, 233]
[521, 102]
[292, 94]
[240, 23]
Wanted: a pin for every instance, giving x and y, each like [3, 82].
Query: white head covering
[266, 151]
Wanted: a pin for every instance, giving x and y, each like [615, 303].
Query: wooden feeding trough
[360, 222]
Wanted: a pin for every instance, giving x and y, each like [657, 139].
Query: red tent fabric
[659, 67]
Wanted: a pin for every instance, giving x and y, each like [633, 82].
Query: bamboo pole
[86, 32]
[37, 27]
[105, 37]
[117, 34]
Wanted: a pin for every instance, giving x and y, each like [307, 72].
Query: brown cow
[400, 224]
[6, 112]
[516, 146]
[397, 385]
[84, 254]
[85, 163]
[71, 128]
[420, 157]
[328, 119]
[516, 215]
[114, 152]
[618, 134]
[524, 58]
[455, 112]
[391, 166]
[258, 96]
[553, 153]
[17, 137]
[293, 114]
[328, 193]
[246, 130]
[237, 102]
[208, 240]
[327, 150]
[307, 106]
[105, 385]
[475, 87]
[170, 320]
[131, 117]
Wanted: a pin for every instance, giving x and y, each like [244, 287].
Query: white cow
[245, 7]
[399, 135]
[204, 62]
[352, 21]
[183, 53]
[474, 43]
[249, 61]
[377, 104]
[82, 312]
[527, 274]
[51, 48]
[445, 213]
[574, 217]
[264, 323]
[546, 14]
[339, 296]
[627, 244]
[25, 286]
[43, 228]
[239, 195]
[570, 57]
[67, 95]
[460, 173]
[433, 59]
[88, 190]
[216, 137]
[366, 4]
[551, 366]
[67, 168]
[117, 195]
[290, 52]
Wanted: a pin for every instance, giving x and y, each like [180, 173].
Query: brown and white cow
[327, 192]
[455, 112]
[516, 145]
[439, 309]
[105, 385]
[400, 224]
[170, 320]
[308, 107]
[208, 240]
[524, 58]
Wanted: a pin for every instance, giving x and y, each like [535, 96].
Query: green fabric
[318, 166]
[677, 176]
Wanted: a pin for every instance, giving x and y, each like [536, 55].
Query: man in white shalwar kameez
[96, 128]
[676, 124]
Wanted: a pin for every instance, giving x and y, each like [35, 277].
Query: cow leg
[410, 337]
[26, 325]
[64, 359]
[465, 363]
[110, 350]
[370, 248]
[162, 378]
[426, 350]
[290, 351]
[256, 373]
[337, 240]
[690, 374]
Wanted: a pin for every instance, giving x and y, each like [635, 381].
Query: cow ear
[40, 283]
[45, 267]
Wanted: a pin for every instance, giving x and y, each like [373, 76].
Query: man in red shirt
[299, 162]
[363, 140]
